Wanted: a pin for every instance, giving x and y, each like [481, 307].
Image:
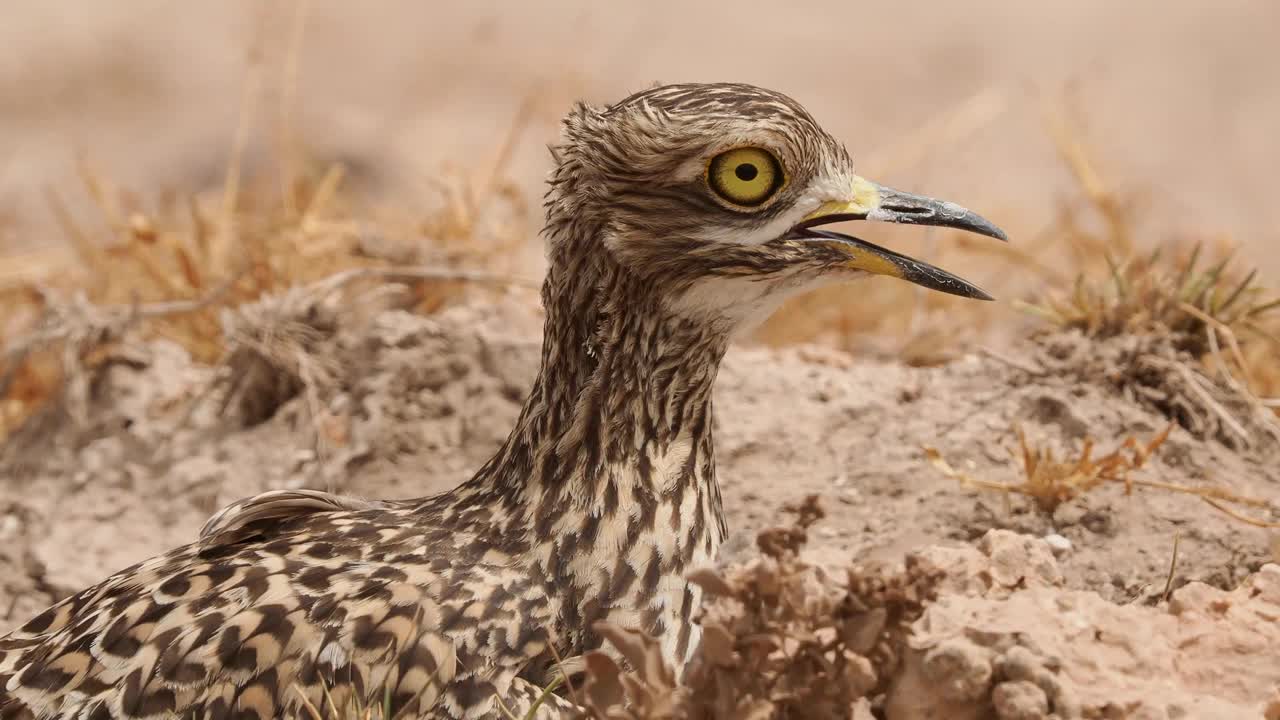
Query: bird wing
[235, 521]
[306, 607]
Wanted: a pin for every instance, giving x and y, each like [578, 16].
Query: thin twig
[226, 233]
[288, 133]
[1173, 564]
[1214, 405]
[336, 281]
[547, 692]
[1015, 364]
[1209, 492]
[306, 703]
[91, 254]
[561, 664]
[505, 151]
[1242, 518]
[1211, 324]
[323, 194]
[114, 319]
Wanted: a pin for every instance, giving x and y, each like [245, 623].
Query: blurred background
[1180, 100]
[1036, 114]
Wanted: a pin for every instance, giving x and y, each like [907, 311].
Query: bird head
[718, 196]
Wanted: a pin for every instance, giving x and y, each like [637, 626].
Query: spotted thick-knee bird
[674, 219]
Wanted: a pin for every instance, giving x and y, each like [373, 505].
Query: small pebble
[1059, 544]
[10, 526]
[959, 670]
[1019, 700]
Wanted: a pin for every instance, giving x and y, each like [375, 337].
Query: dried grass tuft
[1223, 321]
[1182, 328]
[353, 710]
[1051, 482]
[173, 266]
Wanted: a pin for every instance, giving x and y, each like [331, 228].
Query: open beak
[870, 201]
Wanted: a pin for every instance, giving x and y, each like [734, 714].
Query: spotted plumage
[600, 501]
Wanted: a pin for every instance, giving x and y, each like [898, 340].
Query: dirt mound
[385, 403]
[952, 632]
[1004, 638]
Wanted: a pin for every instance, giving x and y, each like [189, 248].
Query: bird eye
[745, 177]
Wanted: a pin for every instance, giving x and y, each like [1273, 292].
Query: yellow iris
[746, 177]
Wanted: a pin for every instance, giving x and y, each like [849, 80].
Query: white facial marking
[741, 303]
[822, 189]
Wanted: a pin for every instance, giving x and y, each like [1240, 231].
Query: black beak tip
[983, 226]
[953, 285]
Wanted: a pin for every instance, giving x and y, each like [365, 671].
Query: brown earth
[410, 405]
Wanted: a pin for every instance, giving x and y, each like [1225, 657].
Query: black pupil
[746, 172]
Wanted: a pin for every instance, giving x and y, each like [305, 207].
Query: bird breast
[630, 564]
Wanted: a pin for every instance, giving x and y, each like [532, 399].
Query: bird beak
[870, 201]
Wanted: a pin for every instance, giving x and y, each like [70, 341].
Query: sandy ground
[415, 404]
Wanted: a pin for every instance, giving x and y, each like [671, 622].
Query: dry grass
[1181, 329]
[172, 271]
[354, 711]
[1190, 338]
[168, 266]
[1187, 290]
[295, 224]
[1049, 481]
[1221, 318]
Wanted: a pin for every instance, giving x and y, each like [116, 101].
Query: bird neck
[621, 411]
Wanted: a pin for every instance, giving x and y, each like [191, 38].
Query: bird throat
[609, 473]
[621, 410]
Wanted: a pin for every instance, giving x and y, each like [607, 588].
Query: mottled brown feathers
[600, 500]
[233, 522]
[335, 604]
